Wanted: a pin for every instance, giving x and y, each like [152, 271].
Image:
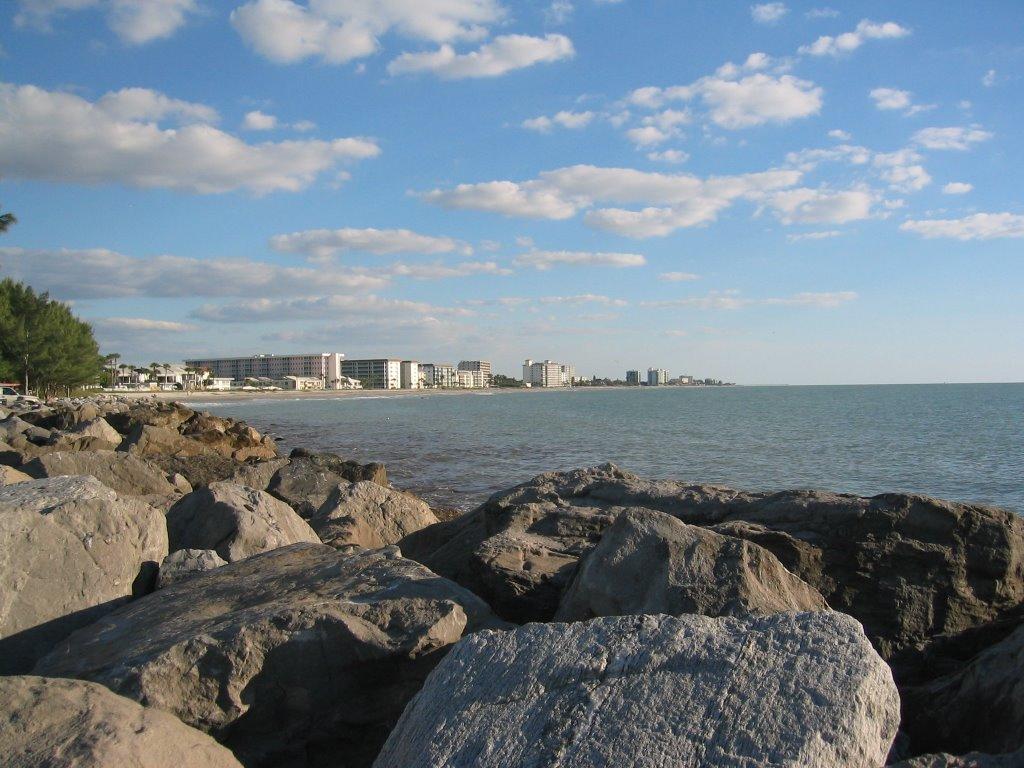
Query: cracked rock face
[235, 521]
[308, 479]
[650, 563]
[368, 515]
[71, 550]
[790, 689]
[186, 563]
[125, 474]
[299, 654]
[74, 724]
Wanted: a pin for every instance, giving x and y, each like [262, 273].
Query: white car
[10, 395]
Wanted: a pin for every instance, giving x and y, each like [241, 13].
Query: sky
[764, 193]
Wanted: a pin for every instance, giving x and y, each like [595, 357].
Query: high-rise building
[439, 375]
[633, 377]
[410, 375]
[483, 366]
[383, 373]
[547, 374]
[656, 377]
[325, 366]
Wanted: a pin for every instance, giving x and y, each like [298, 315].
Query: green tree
[43, 343]
[6, 220]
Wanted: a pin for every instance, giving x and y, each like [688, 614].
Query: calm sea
[961, 442]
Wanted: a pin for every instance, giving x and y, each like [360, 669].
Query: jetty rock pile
[177, 591]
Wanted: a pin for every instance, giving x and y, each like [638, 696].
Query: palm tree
[6, 219]
[111, 363]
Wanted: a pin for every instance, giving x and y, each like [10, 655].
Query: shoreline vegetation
[321, 612]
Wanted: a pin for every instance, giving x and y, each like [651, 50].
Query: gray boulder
[71, 550]
[907, 566]
[648, 562]
[127, 475]
[75, 724]
[10, 476]
[367, 515]
[308, 479]
[257, 474]
[97, 428]
[789, 689]
[14, 426]
[236, 521]
[296, 654]
[147, 440]
[971, 760]
[9, 455]
[186, 563]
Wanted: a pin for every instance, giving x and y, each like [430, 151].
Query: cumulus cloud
[989, 79]
[672, 201]
[318, 307]
[822, 235]
[134, 21]
[953, 137]
[902, 170]
[103, 274]
[584, 298]
[141, 325]
[957, 188]
[839, 134]
[732, 299]
[670, 156]
[979, 226]
[821, 206]
[565, 119]
[56, 136]
[440, 271]
[339, 31]
[893, 99]
[501, 55]
[768, 13]
[544, 260]
[826, 45]
[677, 277]
[259, 121]
[321, 244]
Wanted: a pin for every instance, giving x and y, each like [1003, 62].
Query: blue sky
[765, 193]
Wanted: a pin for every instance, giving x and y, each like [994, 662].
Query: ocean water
[963, 442]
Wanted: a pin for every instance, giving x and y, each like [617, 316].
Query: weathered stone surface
[790, 689]
[146, 440]
[234, 439]
[971, 760]
[75, 724]
[125, 474]
[236, 521]
[201, 470]
[257, 474]
[9, 457]
[71, 549]
[10, 476]
[308, 479]
[648, 562]
[296, 654]
[170, 415]
[979, 707]
[186, 563]
[14, 426]
[368, 515]
[906, 566]
[98, 428]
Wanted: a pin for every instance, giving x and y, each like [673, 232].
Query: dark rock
[308, 479]
[367, 515]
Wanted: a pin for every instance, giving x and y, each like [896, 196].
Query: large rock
[790, 689]
[10, 476]
[186, 563]
[146, 440]
[170, 415]
[9, 456]
[368, 515]
[648, 563]
[13, 426]
[308, 479]
[125, 474]
[98, 428]
[906, 566]
[200, 470]
[75, 724]
[257, 474]
[296, 654]
[971, 760]
[71, 550]
[978, 708]
[234, 439]
[236, 521]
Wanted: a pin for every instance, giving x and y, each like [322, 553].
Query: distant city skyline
[764, 193]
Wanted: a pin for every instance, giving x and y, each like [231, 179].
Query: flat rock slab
[287, 655]
[71, 549]
[368, 515]
[125, 474]
[74, 724]
[644, 691]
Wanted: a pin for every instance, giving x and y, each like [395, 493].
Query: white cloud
[559, 12]
[439, 271]
[141, 325]
[566, 119]
[902, 170]
[894, 99]
[501, 55]
[583, 298]
[957, 188]
[544, 260]
[989, 79]
[821, 206]
[647, 135]
[671, 156]
[826, 45]
[102, 274]
[825, 299]
[321, 244]
[731, 300]
[57, 136]
[953, 137]
[318, 307]
[677, 277]
[559, 194]
[134, 21]
[839, 135]
[824, 235]
[259, 121]
[979, 226]
[822, 13]
[339, 31]
[768, 13]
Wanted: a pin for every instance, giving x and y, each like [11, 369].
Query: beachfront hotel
[657, 377]
[324, 366]
[547, 374]
[482, 367]
[379, 373]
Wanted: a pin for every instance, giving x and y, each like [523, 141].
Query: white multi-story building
[482, 366]
[657, 377]
[439, 375]
[411, 378]
[383, 373]
[547, 374]
[325, 366]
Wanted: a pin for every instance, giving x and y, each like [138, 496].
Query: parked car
[10, 395]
